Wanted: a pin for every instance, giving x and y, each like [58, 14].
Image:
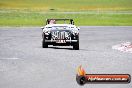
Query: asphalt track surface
[25, 64]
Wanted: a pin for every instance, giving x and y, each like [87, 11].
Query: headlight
[75, 32]
[47, 32]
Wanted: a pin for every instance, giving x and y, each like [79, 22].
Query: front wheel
[44, 44]
[76, 46]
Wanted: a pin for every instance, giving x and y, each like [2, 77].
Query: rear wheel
[44, 44]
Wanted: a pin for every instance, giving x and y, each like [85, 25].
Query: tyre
[44, 44]
[76, 45]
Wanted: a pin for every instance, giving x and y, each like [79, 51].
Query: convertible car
[60, 32]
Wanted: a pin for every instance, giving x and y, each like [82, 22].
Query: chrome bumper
[61, 41]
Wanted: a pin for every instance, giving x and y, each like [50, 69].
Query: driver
[52, 22]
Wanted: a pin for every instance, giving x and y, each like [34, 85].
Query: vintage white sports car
[58, 33]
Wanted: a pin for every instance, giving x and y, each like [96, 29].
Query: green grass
[67, 5]
[38, 19]
[34, 12]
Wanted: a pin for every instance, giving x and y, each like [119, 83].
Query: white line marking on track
[13, 58]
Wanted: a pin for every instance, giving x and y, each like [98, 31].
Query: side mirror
[73, 23]
[42, 28]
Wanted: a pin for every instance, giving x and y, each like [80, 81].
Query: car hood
[59, 27]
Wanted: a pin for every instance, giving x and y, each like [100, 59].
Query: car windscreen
[60, 27]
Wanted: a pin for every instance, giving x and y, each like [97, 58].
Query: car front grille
[60, 35]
